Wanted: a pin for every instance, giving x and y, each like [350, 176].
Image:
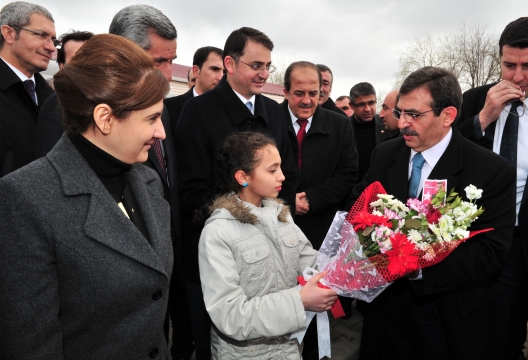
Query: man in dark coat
[366, 125]
[327, 160]
[207, 71]
[485, 119]
[326, 88]
[49, 123]
[155, 33]
[26, 45]
[234, 105]
[443, 312]
[390, 123]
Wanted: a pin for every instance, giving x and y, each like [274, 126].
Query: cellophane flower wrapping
[352, 274]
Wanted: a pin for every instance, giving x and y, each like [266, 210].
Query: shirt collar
[244, 100]
[20, 74]
[433, 154]
[294, 118]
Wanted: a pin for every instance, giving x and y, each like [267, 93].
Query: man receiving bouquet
[437, 306]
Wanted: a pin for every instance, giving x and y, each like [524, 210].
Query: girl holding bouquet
[250, 255]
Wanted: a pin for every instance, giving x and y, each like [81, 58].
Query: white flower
[414, 236]
[472, 193]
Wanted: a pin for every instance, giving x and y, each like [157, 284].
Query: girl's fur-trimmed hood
[241, 210]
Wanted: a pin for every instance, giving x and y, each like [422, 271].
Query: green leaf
[368, 231]
[413, 223]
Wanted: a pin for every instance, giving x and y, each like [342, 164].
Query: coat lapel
[105, 222]
[398, 174]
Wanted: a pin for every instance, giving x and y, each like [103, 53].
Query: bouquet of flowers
[381, 239]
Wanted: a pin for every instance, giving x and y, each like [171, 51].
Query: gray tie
[416, 174]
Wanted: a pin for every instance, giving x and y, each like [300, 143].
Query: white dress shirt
[22, 77]
[296, 125]
[244, 100]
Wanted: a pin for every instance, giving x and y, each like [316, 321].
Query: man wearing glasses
[27, 42]
[495, 116]
[234, 105]
[440, 312]
[366, 125]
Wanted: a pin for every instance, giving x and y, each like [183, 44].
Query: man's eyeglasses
[361, 105]
[42, 35]
[256, 67]
[409, 116]
[523, 103]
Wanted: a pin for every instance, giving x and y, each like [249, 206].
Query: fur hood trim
[242, 212]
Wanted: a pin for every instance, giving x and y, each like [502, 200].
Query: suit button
[157, 295]
[153, 353]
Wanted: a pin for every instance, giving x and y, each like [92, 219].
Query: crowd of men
[473, 305]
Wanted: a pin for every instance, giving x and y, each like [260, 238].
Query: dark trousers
[310, 345]
[509, 305]
[200, 321]
[182, 337]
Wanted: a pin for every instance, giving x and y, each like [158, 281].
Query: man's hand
[315, 298]
[301, 204]
[498, 96]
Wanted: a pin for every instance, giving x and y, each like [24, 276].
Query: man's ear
[8, 33]
[103, 118]
[229, 64]
[450, 114]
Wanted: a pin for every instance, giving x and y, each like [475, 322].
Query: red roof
[180, 71]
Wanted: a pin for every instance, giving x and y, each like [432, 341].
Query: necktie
[416, 174]
[156, 145]
[508, 147]
[300, 137]
[249, 105]
[30, 86]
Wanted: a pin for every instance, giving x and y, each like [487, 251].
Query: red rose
[433, 215]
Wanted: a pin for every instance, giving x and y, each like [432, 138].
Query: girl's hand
[315, 298]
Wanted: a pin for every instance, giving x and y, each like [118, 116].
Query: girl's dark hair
[107, 69]
[238, 152]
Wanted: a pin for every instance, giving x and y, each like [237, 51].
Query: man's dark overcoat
[329, 170]
[457, 287]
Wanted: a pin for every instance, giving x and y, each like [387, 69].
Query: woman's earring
[245, 184]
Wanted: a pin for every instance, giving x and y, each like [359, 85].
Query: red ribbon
[337, 308]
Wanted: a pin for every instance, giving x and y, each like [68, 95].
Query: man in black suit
[234, 105]
[366, 125]
[486, 120]
[27, 42]
[443, 312]
[49, 123]
[390, 123]
[207, 71]
[326, 88]
[155, 33]
[327, 160]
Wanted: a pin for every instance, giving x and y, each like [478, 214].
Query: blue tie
[416, 174]
[249, 105]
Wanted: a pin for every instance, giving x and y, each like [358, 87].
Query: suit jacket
[378, 128]
[18, 117]
[49, 127]
[329, 104]
[473, 102]
[458, 285]
[205, 122]
[329, 170]
[174, 106]
[79, 280]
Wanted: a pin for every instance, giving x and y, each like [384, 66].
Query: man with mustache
[327, 161]
[366, 125]
[27, 41]
[442, 313]
[495, 117]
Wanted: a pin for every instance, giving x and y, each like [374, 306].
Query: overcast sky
[358, 40]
